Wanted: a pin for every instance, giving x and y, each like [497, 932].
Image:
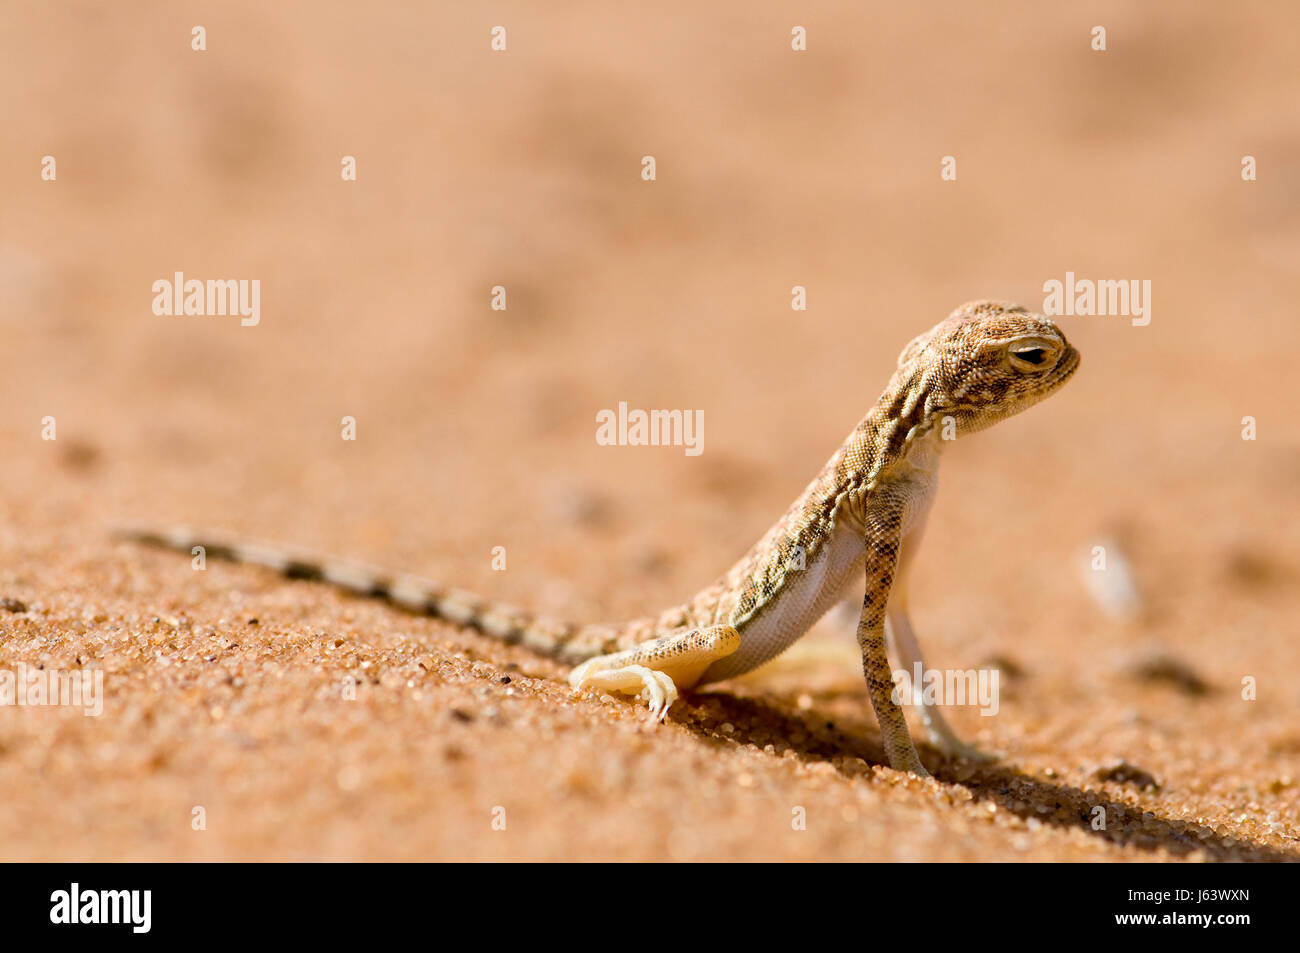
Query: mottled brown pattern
[926, 386]
[980, 365]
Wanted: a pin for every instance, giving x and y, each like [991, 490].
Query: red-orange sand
[227, 690]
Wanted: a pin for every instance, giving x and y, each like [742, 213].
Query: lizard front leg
[884, 540]
[659, 667]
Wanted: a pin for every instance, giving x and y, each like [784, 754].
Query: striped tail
[563, 641]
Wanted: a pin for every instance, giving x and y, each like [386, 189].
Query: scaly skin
[861, 517]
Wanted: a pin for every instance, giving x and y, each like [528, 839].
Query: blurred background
[475, 427]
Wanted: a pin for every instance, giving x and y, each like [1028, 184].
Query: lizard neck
[923, 450]
[900, 430]
[887, 441]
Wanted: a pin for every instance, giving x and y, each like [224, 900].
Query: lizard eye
[1032, 356]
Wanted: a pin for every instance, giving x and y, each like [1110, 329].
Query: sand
[249, 717]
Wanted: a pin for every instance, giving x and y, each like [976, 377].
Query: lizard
[860, 519]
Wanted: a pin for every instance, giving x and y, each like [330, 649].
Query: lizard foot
[658, 688]
[971, 753]
[655, 668]
[908, 761]
[953, 747]
[949, 743]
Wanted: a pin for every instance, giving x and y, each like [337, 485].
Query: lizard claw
[971, 753]
[953, 747]
[657, 688]
[662, 692]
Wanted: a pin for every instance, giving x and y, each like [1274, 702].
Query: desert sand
[250, 717]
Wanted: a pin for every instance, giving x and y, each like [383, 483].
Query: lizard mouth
[1066, 366]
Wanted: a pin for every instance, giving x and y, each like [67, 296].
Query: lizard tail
[563, 641]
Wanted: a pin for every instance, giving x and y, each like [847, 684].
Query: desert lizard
[861, 518]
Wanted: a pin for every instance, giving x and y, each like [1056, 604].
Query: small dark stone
[462, 716]
[297, 569]
[505, 679]
[1122, 772]
[12, 605]
[1246, 565]
[1160, 666]
[1005, 664]
[79, 454]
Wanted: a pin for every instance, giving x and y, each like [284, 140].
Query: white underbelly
[806, 596]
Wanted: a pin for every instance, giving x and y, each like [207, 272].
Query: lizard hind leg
[903, 639]
[660, 667]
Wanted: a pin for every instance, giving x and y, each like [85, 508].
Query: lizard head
[988, 361]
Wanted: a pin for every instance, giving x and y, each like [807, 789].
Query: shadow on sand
[1059, 805]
